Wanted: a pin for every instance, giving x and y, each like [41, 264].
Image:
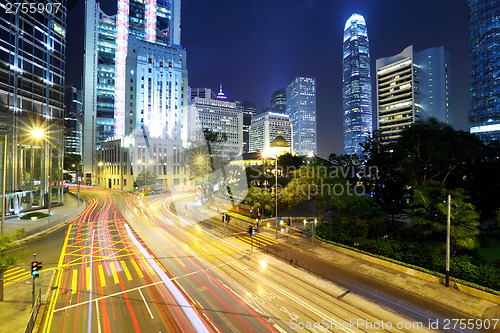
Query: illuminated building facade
[356, 85]
[484, 46]
[278, 100]
[266, 127]
[72, 125]
[301, 107]
[32, 71]
[115, 48]
[217, 116]
[412, 86]
[248, 109]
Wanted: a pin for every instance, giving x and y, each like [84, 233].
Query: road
[109, 282]
[131, 264]
[282, 295]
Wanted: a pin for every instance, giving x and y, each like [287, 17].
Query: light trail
[181, 300]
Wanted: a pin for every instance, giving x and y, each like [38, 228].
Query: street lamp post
[78, 182]
[38, 133]
[276, 192]
[3, 182]
[447, 282]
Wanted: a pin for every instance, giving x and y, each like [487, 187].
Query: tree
[7, 258]
[359, 214]
[314, 181]
[146, 178]
[430, 213]
[261, 199]
[288, 162]
[385, 178]
[430, 151]
[70, 160]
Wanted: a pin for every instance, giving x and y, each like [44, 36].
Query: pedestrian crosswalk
[258, 239]
[15, 274]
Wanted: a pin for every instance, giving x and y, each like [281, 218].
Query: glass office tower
[356, 85]
[301, 107]
[484, 30]
[32, 70]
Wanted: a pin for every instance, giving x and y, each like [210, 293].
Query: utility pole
[276, 192]
[3, 182]
[448, 243]
[78, 182]
[3, 206]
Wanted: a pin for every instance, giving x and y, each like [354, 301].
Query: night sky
[257, 46]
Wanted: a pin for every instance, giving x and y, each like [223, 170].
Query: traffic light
[251, 230]
[35, 267]
[228, 218]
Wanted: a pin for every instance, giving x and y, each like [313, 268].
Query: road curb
[413, 272]
[57, 223]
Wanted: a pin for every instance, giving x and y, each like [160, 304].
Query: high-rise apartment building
[411, 86]
[356, 84]
[266, 127]
[248, 109]
[484, 46]
[72, 117]
[278, 100]
[301, 107]
[134, 73]
[32, 71]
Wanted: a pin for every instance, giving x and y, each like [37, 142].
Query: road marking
[74, 281]
[181, 300]
[139, 272]
[176, 259]
[101, 276]
[115, 275]
[146, 303]
[12, 271]
[88, 278]
[98, 316]
[287, 294]
[141, 287]
[125, 269]
[161, 266]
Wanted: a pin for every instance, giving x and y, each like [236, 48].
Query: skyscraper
[356, 84]
[141, 42]
[484, 46]
[278, 100]
[72, 124]
[248, 109]
[32, 67]
[412, 86]
[301, 107]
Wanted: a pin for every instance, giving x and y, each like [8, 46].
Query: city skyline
[248, 77]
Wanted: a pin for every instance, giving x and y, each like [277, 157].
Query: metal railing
[53, 222]
[34, 313]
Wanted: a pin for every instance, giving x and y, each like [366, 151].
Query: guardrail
[34, 313]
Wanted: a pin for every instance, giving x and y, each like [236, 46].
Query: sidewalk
[35, 227]
[421, 284]
[16, 308]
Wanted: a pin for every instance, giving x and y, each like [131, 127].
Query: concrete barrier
[413, 272]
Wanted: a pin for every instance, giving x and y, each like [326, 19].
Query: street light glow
[200, 159]
[100, 164]
[37, 133]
